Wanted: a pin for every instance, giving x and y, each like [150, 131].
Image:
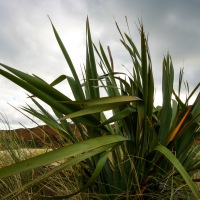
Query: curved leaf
[57, 169]
[170, 156]
[59, 154]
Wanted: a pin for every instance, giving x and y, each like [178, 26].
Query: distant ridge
[42, 134]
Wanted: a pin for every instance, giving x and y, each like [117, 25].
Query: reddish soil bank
[42, 135]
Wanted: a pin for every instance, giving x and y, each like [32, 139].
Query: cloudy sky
[27, 41]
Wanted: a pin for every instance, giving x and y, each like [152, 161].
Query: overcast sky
[27, 41]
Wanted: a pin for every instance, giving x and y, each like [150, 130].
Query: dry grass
[13, 151]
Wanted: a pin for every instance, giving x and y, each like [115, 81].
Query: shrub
[156, 157]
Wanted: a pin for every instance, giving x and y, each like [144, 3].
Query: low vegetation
[140, 152]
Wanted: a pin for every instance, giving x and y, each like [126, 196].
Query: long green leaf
[101, 163]
[93, 109]
[167, 89]
[57, 169]
[59, 154]
[68, 59]
[91, 70]
[46, 93]
[104, 100]
[37, 83]
[133, 46]
[170, 156]
[144, 68]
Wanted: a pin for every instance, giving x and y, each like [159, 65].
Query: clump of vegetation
[13, 150]
[140, 152]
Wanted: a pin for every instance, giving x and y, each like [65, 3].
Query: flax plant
[157, 155]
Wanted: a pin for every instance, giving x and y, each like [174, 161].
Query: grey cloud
[27, 41]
